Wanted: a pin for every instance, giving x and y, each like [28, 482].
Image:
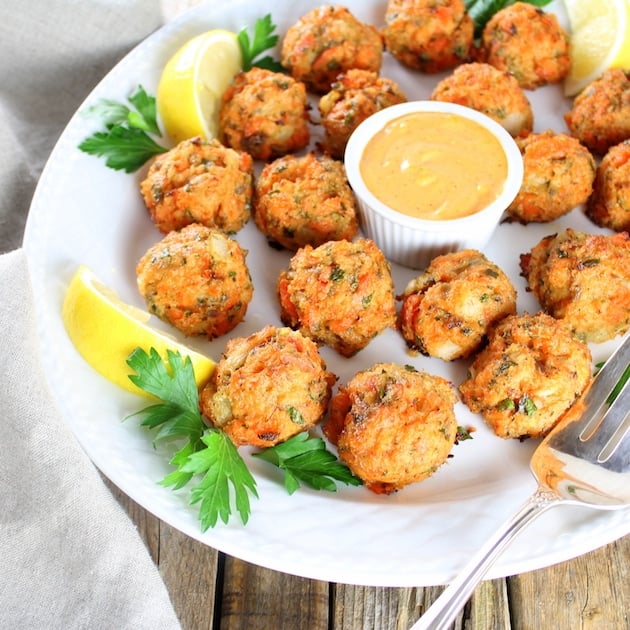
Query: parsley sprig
[206, 451]
[125, 143]
[305, 459]
[209, 454]
[263, 39]
[482, 10]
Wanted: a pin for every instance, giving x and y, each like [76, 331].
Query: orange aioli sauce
[433, 165]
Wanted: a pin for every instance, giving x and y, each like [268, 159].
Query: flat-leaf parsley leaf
[305, 459]
[262, 40]
[206, 451]
[125, 143]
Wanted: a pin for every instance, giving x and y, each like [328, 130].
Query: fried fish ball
[600, 115]
[558, 174]
[199, 181]
[327, 41]
[264, 113]
[448, 309]
[530, 373]
[197, 280]
[267, 388]
[340, 294]
[584, 280]
[528, 43]
[490, 91]
[609, 205]
[305, 200]
[355, 95]
[393, 425]
[428, 35]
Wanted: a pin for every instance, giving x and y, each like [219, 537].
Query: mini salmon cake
[393, 425]
[609, 205]
[448, 309]
[600, 115]
[558, 174]
[199, 181]
[584, 280]
[267, 388]
[492, 92]
[530, 373]
[197, 280]
[428, 35]
[326, 42]
[264, 113]
[355, 95]
[340, 294]
[305, 200]
[528, 43]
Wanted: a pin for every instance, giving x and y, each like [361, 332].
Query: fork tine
[618, 415]
[597, 397]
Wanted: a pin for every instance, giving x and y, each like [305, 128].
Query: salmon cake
[267, 387]
[448, 309]
[265, 114]
[495, 93]
[340, 294]
[305, 200]
[527, 42]
[600, 114]
[583, 280]
[199, 181]
[609, 205]
[355, 95]
[428, 35]
[326, 42]
[197, 280]
[558, 175]
[530, 373]
[393, 425]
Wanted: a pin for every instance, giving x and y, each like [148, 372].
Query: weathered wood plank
[488, 608]
[255, 598]
[591, 592]
[380, 608]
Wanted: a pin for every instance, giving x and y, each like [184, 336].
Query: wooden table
[213, 591]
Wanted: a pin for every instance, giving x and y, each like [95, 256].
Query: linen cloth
[69, 555]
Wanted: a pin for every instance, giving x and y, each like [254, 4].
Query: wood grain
[212, 591]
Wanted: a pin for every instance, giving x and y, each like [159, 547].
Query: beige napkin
[69, 555]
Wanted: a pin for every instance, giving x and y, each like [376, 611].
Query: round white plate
[86, 214]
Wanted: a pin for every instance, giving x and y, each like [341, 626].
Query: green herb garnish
[205, 451]
[262, 40]
[482, 10]
[305, 459]
[125, 143]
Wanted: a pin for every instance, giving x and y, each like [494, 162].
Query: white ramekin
[413, 242]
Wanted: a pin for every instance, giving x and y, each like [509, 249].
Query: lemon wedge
[600, 39]
[105, 330]
[193, 81]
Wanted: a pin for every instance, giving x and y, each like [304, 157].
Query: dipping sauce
[433, 165]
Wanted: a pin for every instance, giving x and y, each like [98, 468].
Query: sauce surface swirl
[434, 165]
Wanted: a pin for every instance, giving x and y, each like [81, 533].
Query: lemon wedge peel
[192, 84]
[600, 39]
[105, 330]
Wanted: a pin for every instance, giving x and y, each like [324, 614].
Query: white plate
[84, 213]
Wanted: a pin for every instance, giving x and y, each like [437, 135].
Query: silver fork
[583, 461]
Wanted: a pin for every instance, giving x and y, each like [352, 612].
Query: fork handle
[443, 611]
